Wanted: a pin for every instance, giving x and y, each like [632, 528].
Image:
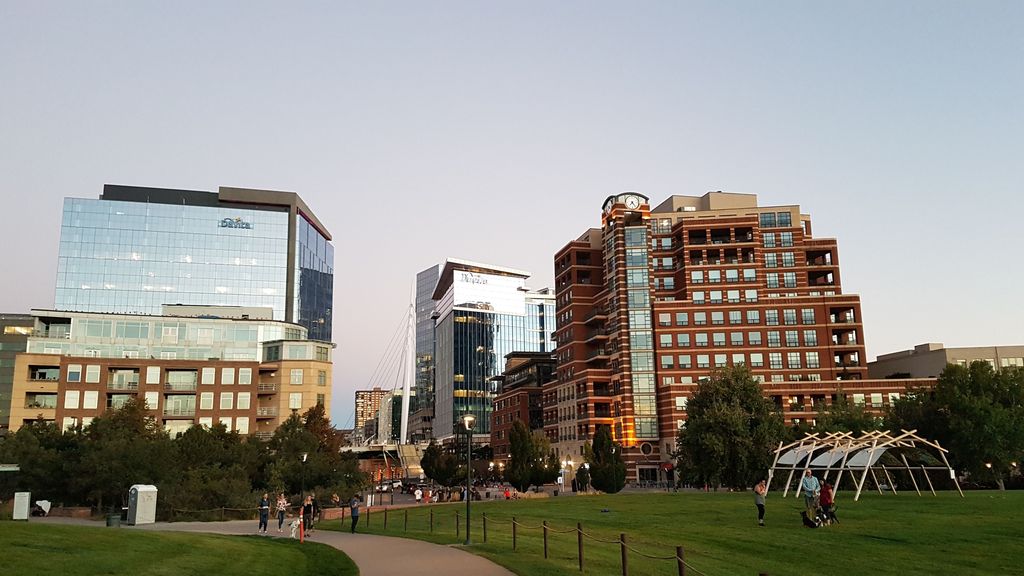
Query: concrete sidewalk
[375, 555]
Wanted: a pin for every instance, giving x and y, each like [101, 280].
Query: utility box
[142, 504]
[22, 502]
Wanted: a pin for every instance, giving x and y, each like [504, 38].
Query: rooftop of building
[226, 196]
[939, 347]
[47, 313]
[451, 265]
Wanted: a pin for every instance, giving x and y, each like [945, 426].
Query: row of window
[715, 296]
[715, 276]
[700, 339]
[207, 375]
[785, 239]
[89, 400]
[793, 360]
[789, 317]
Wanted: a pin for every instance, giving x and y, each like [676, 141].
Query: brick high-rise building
[657, 299]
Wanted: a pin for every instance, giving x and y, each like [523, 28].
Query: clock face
[632, 202]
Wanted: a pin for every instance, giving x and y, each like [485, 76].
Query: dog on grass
[808, 522]
[295, 528]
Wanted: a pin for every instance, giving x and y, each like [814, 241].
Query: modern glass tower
[483, 313]
[426, 281]
[136, 249]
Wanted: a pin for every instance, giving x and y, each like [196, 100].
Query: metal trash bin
[114, 520]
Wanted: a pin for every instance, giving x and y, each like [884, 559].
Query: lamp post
[468, 421]
[305, 456]
[586, 466]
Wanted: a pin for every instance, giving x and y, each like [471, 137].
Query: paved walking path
[375, 555]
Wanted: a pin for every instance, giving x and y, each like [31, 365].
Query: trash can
[114, 520]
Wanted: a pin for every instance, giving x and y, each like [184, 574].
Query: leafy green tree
[845, 416]
[428, 461]
[607, 467]
[976, 412]
[47, 459]
[730, 433]
[523, 457]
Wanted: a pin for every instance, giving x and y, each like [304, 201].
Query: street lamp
[468, 421]
[305, 456]
[586, 466]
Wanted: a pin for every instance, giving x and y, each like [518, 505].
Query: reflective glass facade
[470, 349]
[133, 257]
[426, 281]
[314, 276]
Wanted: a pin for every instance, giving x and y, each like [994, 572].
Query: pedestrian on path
[307, 514]
[354, 511]
[282, 507]
[759, 493]
[264, 513]
[419, 495]
[811, 487]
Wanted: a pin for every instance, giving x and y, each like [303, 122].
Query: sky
[493, 132]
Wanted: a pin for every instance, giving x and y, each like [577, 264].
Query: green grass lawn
[901, 535]
[33, 549]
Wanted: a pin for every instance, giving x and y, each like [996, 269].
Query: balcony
[266, 389]
[59, 334]
[597, 355]
[123, 385]
[179, 387]
[597, 314]
[595, 335]
[264, 436]
[179, 412]
[44, 375]
[267, 412]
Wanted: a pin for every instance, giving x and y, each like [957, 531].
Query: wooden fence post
[457, 528]
[368, 508]
[625, 561]
[513, 533]
[680, 563]
[385, 518]
[579, 542]
[485, 527]
[545, 525]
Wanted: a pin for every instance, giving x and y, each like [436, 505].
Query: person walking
[418, 494]
[759, 493]
[826, 502]
[307, 514]
[354, 511]
[282, 507]
[264, 513]
[811, 487]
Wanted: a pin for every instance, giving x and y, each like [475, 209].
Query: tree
[523, 457]
[428, 461]
[844, 416]
[607, 467]
[976, 412]
[730, 433]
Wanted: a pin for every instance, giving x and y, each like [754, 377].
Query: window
[206, 422]
[769, 239]
[715, 276]
[295, 401]
[74, 372]
[732, 296]
[786, 239]
[682, 318]
[71, 398]
[322, 354]
[702, 340]
[793, 359]
[775, 360]
[735, 317]
[227, 375]
[812, 360]
[756, 360]
[789, 279]
[208, 375]
[683, 340]
[767, 220]
[68, 423]
[243, 400]
[858, 399]
[754, 338]
[245, 375]
[664, 319]
[788, 261]
[753, 317]
[168, 355]
[296, 376]
[810, 338]
[206, 401]
[807, 315]
[152, 400]
[789, 317]
[893, 397]
[697, 277]
[738, 359]
[721, 360]
[718, 318]
[749, 275]
[792, 338]
[227, 400]
[716, 296]
[152, 374]
[666, 361]
[226, 422]
[698, 297]
[774, 339]
[90, 400]
[684, 360]
[732, 275]
[771, 317]
[700, 318]
[665, 340]
[814, 377]
[719, 338]
[784, 219]
[242, 424]
[92, 374]
[773, 280]
[750, 295]
[668, 380]
[771, 261]
[680, 402]
[703, 361]
[736, 338]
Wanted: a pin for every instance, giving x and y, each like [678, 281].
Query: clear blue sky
[493, 131]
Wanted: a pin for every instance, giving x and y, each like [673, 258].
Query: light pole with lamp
[302, 500]
[468, 421]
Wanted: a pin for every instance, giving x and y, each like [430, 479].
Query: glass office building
[426, 281]
[134, 250]
[483, 313]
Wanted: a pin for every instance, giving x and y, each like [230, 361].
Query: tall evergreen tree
[607, 467]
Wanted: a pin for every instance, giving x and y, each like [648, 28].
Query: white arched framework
[841, 452]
